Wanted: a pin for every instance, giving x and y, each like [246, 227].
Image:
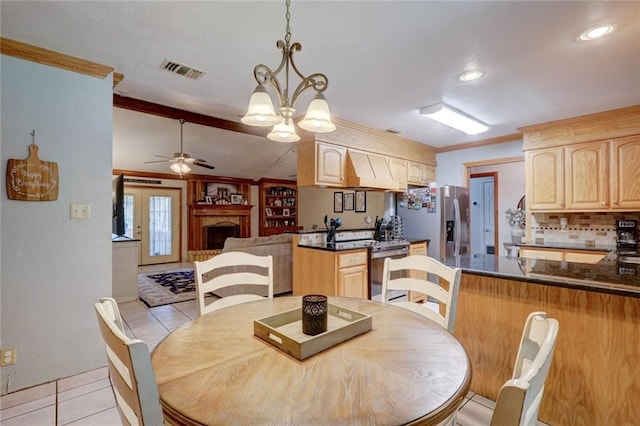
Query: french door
[152, 215]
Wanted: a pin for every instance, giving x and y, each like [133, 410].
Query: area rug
[163, 288]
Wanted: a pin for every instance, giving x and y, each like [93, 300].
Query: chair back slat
[417, 273]
[130, 371]
[233, 269]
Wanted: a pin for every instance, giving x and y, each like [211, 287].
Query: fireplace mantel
[221, 210]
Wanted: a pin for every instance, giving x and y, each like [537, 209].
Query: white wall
[53, 268]
[450, 170]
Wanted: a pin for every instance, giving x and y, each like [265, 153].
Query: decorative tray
[284, 330]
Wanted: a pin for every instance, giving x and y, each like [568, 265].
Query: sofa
[279, 246]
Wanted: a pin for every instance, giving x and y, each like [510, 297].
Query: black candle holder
[314, 314]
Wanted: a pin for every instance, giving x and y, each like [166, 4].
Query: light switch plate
[80, 211]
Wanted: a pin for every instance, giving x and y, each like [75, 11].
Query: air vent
[181, 69]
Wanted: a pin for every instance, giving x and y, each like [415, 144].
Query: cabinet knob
[604, 203]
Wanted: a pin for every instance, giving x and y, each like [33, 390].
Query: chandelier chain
[287, 36]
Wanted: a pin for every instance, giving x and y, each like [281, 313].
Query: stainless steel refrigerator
[447, 227]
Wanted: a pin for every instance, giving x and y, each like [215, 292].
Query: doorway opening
[484, 209]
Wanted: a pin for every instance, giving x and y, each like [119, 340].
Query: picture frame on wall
[361, 201]
[337, 202]
[348, 201]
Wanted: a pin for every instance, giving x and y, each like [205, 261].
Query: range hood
[366, 170]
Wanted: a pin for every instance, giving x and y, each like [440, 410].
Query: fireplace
[213, 236]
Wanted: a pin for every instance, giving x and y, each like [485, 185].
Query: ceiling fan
[181, 162]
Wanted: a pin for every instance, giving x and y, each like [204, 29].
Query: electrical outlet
[80, 211]
[8, 356]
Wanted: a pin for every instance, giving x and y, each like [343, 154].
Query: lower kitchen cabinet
[417, 248]
[331, 273]
[576, 256]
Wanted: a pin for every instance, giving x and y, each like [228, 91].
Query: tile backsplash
[592, 229]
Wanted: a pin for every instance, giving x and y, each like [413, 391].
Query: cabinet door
[352, 282]
[398, 169]
[587, 176]
[625, 173]
[545, 178]
[415, 173]
[541, 254]
[428, 174]
[417, 249]
[330, 164]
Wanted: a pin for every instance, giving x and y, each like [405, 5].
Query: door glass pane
[128, 215]
[159, 225]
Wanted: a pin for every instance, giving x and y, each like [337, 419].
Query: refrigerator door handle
[456, 227]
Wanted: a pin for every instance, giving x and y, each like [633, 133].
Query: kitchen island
[594, 373]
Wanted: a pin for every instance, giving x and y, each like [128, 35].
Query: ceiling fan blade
[199, 160]
[161, 156]
[206, 166]
[158, 161]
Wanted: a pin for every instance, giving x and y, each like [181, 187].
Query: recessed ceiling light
[470, 75]
[596, 32]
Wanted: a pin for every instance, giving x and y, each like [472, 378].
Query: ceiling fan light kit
[261, 111]
[181, 162]
[453, 118]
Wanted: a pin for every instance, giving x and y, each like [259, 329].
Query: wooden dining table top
[405, 370]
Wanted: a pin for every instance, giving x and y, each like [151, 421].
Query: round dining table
[405, 370]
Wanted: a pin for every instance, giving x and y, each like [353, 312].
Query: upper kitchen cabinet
[544, 172]
[356, 156]
[587, 163]
[419, 174]
[398, 168]
[587, 176]
[625, 173]
[321, 164]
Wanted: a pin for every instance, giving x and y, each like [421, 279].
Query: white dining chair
[244, 274]
[130, 372]
[415, 273]
[520, 397]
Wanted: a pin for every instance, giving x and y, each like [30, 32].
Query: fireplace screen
[214, 236]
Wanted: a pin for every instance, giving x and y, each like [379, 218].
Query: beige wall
[314, 203]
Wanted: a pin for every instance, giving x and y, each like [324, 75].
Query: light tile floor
[87, 399]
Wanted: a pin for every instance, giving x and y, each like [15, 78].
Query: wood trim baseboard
[43, 56]
[187, 177]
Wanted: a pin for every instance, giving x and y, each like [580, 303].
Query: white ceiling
[384, 60]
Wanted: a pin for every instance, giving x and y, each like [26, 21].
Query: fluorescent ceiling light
[453, 118]
[597, 32]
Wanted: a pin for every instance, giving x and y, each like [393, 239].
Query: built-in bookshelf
[278, 206]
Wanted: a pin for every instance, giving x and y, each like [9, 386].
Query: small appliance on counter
[627, 245]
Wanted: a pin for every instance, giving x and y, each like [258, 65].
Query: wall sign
[32, 179]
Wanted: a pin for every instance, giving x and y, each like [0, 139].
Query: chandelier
[261, 111]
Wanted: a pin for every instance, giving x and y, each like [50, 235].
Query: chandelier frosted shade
[261, 112]
[285, 131]
[318, 117]
[180, 167]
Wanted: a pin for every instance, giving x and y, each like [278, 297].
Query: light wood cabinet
[399, 172]
[417, 249]
[625, 173]
[586, 183]
[544, 169]
[321, 164]
[420, 174]
[278, 207]
[125, 270]
[576, 256]
[330, 273]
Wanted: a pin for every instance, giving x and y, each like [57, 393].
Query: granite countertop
[566, 246]
[339, 246]
[605, 276]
